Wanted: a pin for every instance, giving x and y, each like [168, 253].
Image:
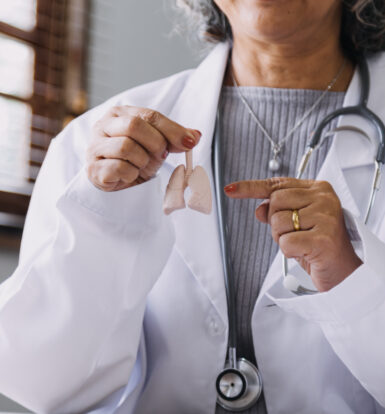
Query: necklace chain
[277, 146]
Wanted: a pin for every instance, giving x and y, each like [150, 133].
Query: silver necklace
[276, 147]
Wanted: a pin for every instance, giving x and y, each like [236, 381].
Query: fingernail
[230, 188]
[263, 202]
[197, 133]
[164, 155]
[188, 142]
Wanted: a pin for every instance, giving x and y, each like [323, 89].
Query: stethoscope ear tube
[381, 153]
[375, 188]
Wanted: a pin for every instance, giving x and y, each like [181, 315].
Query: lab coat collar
[196, 108]
[345, 144]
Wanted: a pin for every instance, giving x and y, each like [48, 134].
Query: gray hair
[362, 28]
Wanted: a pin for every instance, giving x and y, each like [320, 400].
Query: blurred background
[59, 58]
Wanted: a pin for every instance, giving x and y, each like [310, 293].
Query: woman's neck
[312, 65]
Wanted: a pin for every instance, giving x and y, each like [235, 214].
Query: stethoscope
[239, 384]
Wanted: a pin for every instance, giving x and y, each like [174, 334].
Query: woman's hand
[129, 145]
[322, 245]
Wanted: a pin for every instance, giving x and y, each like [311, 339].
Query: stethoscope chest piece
[239, 388]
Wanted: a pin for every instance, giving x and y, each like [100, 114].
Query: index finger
[263, 188]
[178, 137]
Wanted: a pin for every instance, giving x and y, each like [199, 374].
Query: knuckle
[275, 221]
[125, 146]
[97, 128]
[109, 174]
[117, 168]
[144, 161]
[145, 174]
[104, 179]
[325, 186]
[123, 170]
[133, 125]
[150, 115]
[103, 176]
[274, 198]
[330, 201]
[158, 146]
[337, 203]
[113, 110]
[324, 196]
[275, 183]
[133, 174]
[271, 182]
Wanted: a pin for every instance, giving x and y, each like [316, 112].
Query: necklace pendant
[274, 164]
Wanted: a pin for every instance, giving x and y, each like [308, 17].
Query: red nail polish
[188, 142]
[164, 155]
[230, 188]
[197, 133]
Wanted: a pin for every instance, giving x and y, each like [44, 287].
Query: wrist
[347, 264]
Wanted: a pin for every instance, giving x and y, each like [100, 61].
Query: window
[42, 57]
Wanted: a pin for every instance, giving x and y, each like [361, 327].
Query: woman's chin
[277, 21]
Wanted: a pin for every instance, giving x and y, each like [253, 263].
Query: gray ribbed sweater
[246, 155]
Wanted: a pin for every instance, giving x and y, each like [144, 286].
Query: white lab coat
[117, 308]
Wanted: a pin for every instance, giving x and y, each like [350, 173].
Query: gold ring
[295, 219]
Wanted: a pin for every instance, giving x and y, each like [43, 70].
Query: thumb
[262, 211]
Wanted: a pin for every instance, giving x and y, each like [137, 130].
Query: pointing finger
[263, 188]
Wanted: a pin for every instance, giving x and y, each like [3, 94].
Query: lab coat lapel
[196, 106]
[197, 239]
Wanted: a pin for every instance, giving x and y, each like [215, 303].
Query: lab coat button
[214, 326]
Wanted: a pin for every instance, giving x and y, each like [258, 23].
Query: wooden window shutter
[43, 87]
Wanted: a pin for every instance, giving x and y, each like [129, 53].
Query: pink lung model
[197, 180]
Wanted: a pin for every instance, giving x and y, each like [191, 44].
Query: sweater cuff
[138, 206]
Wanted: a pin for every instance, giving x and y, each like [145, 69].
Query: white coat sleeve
[71, 314]
[352, 314]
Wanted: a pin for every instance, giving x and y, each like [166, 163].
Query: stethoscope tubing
[245, 386]
[227, 266]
